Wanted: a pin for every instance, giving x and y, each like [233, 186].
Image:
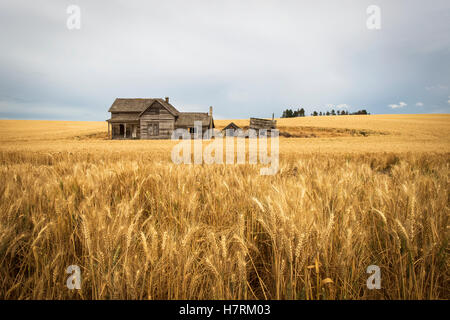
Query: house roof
[132, 109]
[139, 105]
[186, 119]
[134, 117]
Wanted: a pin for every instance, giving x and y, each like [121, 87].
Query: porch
[119, 129]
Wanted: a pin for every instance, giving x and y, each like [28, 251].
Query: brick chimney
[210, 111]
[167, 99]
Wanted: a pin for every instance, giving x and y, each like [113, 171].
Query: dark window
[121, 129]
[153, 129]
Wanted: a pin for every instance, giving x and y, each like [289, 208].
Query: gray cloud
[243, 57]
[398, 106]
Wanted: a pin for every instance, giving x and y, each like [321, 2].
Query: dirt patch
[92, 136]
[319, 132]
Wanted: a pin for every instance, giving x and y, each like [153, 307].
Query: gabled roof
[186, 119]
[169, 107]
[231, 125]
[139, 105]
[165, 104]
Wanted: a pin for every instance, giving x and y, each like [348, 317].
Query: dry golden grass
[141, 227]
[385, 133]
[415, 125]
[41, 130]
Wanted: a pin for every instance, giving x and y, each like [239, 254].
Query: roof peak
[139, 105]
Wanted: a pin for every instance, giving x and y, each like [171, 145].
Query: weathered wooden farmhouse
[152, 119]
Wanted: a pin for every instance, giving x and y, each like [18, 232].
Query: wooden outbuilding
[153, 118]
[231, 126]
[259, 124]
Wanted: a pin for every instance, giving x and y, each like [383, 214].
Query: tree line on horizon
[289, 113]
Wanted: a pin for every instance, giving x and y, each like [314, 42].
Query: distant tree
[328, 113]
[320, 113]
[301, 112]
[315, 113]
[363, 111]
[333, 113]
[287, 113]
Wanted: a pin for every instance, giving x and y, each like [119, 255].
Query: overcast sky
[245, 58]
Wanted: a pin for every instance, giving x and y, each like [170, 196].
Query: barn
[152, 118]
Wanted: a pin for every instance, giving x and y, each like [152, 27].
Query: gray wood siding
[256, 124]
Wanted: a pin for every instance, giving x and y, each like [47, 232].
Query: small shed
[258, 124]
[231, 126]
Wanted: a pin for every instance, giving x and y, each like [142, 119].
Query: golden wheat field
[351, 191]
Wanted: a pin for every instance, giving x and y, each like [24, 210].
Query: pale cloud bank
[398, 106]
